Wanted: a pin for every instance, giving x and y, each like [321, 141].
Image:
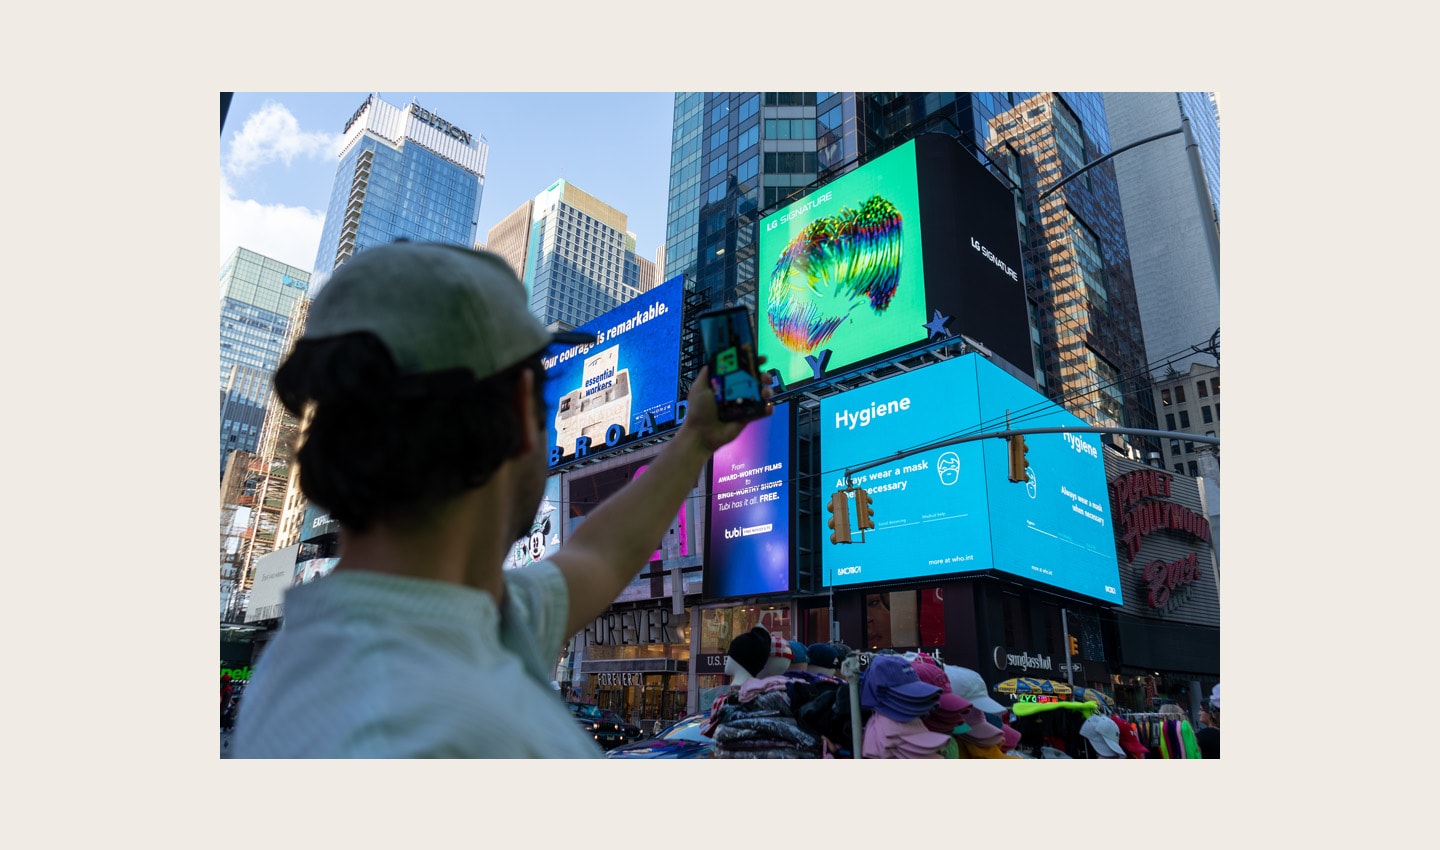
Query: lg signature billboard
[917, 244]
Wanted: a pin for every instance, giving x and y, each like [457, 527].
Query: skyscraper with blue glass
[404, 172]
[1172, 219]
[257, 298]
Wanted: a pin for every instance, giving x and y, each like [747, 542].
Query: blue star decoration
[936, 325]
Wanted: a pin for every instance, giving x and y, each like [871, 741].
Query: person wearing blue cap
[420, 380]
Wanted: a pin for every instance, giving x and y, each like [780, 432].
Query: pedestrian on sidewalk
[227, 699]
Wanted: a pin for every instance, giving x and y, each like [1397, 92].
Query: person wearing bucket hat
[420, 382]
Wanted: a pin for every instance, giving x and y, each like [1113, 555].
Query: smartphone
[728, 337]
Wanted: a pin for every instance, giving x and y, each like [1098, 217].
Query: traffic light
[864, 514]
[839, 521]
[1017, 458]
[1074, 645]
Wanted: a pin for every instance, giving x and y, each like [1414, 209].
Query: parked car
[608, 728]
[679, 740]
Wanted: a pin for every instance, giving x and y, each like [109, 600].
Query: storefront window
[905, 619]
[718, 626]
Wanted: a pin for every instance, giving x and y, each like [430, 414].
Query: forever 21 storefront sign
[632, 628]
[619, 680]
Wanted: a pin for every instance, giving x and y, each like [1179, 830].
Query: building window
[1165, 397]
[720, 136]
[1184, 419]
[1205, 414]
[749, 138]
[1092, 268]
[1175, 447]
[1180, 468]
[1194, 469]
[1180, 395]
[1215, 386]
[1170, 422]
[1200, 389]
[1189, 447]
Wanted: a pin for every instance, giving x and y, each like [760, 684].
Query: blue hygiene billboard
[622, 385]
[747, 529]
[952, 509]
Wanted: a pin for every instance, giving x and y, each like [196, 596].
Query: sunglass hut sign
[1139, 504]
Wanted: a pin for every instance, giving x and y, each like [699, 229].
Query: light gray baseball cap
[435, 307]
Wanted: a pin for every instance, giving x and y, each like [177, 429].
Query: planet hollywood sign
[1137, 499]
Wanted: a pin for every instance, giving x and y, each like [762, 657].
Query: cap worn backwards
[435, 307]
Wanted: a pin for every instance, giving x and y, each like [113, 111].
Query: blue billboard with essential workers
[623, 385]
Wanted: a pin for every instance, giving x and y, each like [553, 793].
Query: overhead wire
[1018, 417]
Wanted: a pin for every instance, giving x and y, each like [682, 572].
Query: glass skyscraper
[737, 156]
[257, 297]
[404, 172]
[1172, 221]
[573, 253]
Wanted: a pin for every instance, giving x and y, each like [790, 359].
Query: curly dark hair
[379, 445]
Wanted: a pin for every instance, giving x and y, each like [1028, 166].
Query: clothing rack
[1149, 726]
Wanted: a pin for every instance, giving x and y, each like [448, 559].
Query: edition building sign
[437, 122]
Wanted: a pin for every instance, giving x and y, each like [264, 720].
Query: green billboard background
[831, 258]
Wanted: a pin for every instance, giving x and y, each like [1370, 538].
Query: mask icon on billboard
[836, 264]
[948, 467]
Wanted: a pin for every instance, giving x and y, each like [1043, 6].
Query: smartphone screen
[729, 339]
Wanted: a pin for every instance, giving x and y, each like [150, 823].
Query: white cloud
[288, 234]
[272, 134]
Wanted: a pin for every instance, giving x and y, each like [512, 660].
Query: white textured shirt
[369, 665]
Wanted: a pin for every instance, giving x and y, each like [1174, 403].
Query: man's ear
[522, 401]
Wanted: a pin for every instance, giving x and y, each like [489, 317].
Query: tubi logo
[732, 533]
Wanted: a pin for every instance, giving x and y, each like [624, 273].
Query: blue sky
[278, 156]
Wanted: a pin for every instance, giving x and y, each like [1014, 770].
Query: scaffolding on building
[261, 506]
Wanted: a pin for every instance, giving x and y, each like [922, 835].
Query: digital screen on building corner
[953, 509]
[749, 510]
[842, 273]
